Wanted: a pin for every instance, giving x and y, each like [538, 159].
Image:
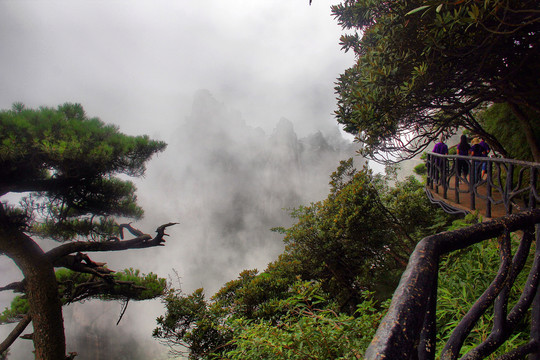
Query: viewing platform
[505, 193]
[492, 186]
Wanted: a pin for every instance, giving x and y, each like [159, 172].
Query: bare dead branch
[17, 286]
[139, 242]
[124, 308]
[131, 229]
[82, 263]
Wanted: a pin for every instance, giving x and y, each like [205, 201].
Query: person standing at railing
[463, 149]
[440, 148]
[479, 151]
[484, 154]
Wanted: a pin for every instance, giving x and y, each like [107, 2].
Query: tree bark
[42, 293]
[40, 281]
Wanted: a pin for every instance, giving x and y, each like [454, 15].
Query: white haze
[239, 151]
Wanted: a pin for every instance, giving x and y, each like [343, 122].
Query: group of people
[478, 147]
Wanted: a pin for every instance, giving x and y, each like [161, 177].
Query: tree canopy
[65, 168]
[424, 68]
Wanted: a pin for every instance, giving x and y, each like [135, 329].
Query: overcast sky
[138, 63]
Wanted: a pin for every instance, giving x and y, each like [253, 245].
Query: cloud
[138, 64]
[135, 62]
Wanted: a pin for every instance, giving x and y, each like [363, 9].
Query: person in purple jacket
[485, 146]
[478, 151]
[440, 148]
[485, 153]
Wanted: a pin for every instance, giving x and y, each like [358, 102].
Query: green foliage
[253, 295]
[423, 67]
[193, 323]
[411, 210]
[17, 309]
[137, 286]
[75, 228]
[499, 120]
[420, 169]
[67, 141]
[307, 331]
[312, 301]
[463, 277]
[73, 286]
[360, 237]
[469, 219]
[127, 284]
[309, 325]
[68, 163]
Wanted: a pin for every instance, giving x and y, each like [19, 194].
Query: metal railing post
[508, 189]
[488, 189]
[430, 171]
[535, 308]
[443, 178]
[456, 174]
[532, 197]
[472, 182]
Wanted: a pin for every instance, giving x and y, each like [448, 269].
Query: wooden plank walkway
[508, 186]
[465, 200]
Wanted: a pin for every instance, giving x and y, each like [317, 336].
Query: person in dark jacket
[463, 149]
[485, 154]
[440, 148]
[478, 151]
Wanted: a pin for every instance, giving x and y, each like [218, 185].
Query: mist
[243, 94]
[227, 184]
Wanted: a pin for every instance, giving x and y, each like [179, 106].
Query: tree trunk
[46, 312]
[42, 294]
[533, 142]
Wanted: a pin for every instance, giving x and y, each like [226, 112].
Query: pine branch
[139, 242]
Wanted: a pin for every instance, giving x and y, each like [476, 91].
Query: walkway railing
[408, 331]
[468, 180]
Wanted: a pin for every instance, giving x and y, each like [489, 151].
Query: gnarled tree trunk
[42, 293]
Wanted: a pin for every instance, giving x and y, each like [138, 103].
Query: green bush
[420, 169]
[307, 331]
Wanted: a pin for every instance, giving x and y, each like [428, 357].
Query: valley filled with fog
[227, 184]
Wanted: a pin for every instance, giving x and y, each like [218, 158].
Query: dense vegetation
[325, 294]
[423, 68]
[499, 120]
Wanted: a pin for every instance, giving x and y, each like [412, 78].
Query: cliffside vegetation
[324, 295]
